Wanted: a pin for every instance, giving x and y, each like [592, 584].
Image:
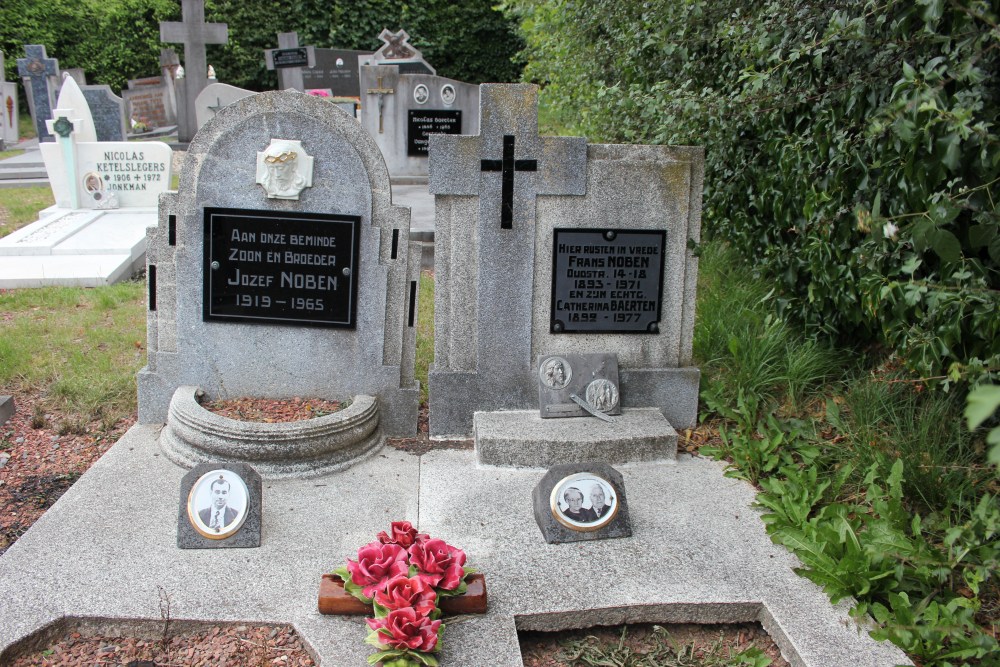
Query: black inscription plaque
[270, 267]
[607, 280]
[295, 57]
[424, 122]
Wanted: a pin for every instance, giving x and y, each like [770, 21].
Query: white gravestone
[105, 193]
[214, 98]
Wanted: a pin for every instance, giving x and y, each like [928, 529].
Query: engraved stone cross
[507, 166]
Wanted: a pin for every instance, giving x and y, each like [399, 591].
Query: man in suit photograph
[218, 515]
[597, 505]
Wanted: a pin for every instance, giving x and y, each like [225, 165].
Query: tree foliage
[851, 148]
[118, 40]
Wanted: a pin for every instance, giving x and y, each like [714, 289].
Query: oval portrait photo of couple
[584, 502]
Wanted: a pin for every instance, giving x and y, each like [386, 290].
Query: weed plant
[884, 496]
[80, 347]
[425, 332]
[659, 651]
[743, 348]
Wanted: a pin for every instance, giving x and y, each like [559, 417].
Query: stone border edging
[303, 448]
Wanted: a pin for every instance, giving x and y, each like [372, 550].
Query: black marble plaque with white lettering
[424, 122]
[294, 57]
[607, 280]
[270, 267]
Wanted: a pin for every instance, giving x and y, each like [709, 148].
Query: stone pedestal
[521, 438]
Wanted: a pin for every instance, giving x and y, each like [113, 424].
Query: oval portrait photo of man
[584, 502]
[217, 504]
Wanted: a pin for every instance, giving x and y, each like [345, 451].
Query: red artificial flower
[402, 533]
[406, 629]
[438, 563]
[377, 563]
[402, 592]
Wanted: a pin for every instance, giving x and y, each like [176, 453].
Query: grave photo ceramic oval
[584, 502]
[217, 505]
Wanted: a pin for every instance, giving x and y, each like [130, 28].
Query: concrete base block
[6, 409]
[521, 438]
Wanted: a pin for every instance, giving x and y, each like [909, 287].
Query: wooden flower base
[334, 600]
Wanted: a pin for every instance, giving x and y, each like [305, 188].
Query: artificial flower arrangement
[403, 574]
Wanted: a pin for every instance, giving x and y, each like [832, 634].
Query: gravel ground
[38, 464]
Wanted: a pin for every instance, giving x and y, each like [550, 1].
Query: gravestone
[35, 70]
[108, 111]
[151, 101]
[289, 59]
[397, 50]
[105, 194]
[214, 98]
[195, 34]
[401, 111]
[518, 216]
[335, 71]
[8, 109]
[281, 269]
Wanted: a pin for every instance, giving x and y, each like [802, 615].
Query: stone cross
[396, 46]
[289, 78]
[194, 33]
[380, 91]
[503, 223]
[35, 71]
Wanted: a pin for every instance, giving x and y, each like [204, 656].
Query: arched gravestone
[315, 321]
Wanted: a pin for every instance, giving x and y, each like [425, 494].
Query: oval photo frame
[421, 94]
[586, 519]
[202, 499]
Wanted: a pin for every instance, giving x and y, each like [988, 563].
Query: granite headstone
[502, 198]
[108, 111]
[263, 168]
[336, 71]
[35, 70]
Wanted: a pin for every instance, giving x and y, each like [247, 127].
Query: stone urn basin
[305, 448]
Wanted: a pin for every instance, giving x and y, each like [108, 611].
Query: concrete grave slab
[699, 553]
[6, 408]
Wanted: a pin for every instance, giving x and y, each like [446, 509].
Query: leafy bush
[851, 148]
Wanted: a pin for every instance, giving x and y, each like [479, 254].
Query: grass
[25, 127]
[658, 650]
[20, 206]
[743, 348]
[80, 348]
[425, 332]
[11, 153]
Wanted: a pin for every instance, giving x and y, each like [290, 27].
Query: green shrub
[851, 148]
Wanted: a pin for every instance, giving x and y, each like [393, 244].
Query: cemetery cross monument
[194, 33]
